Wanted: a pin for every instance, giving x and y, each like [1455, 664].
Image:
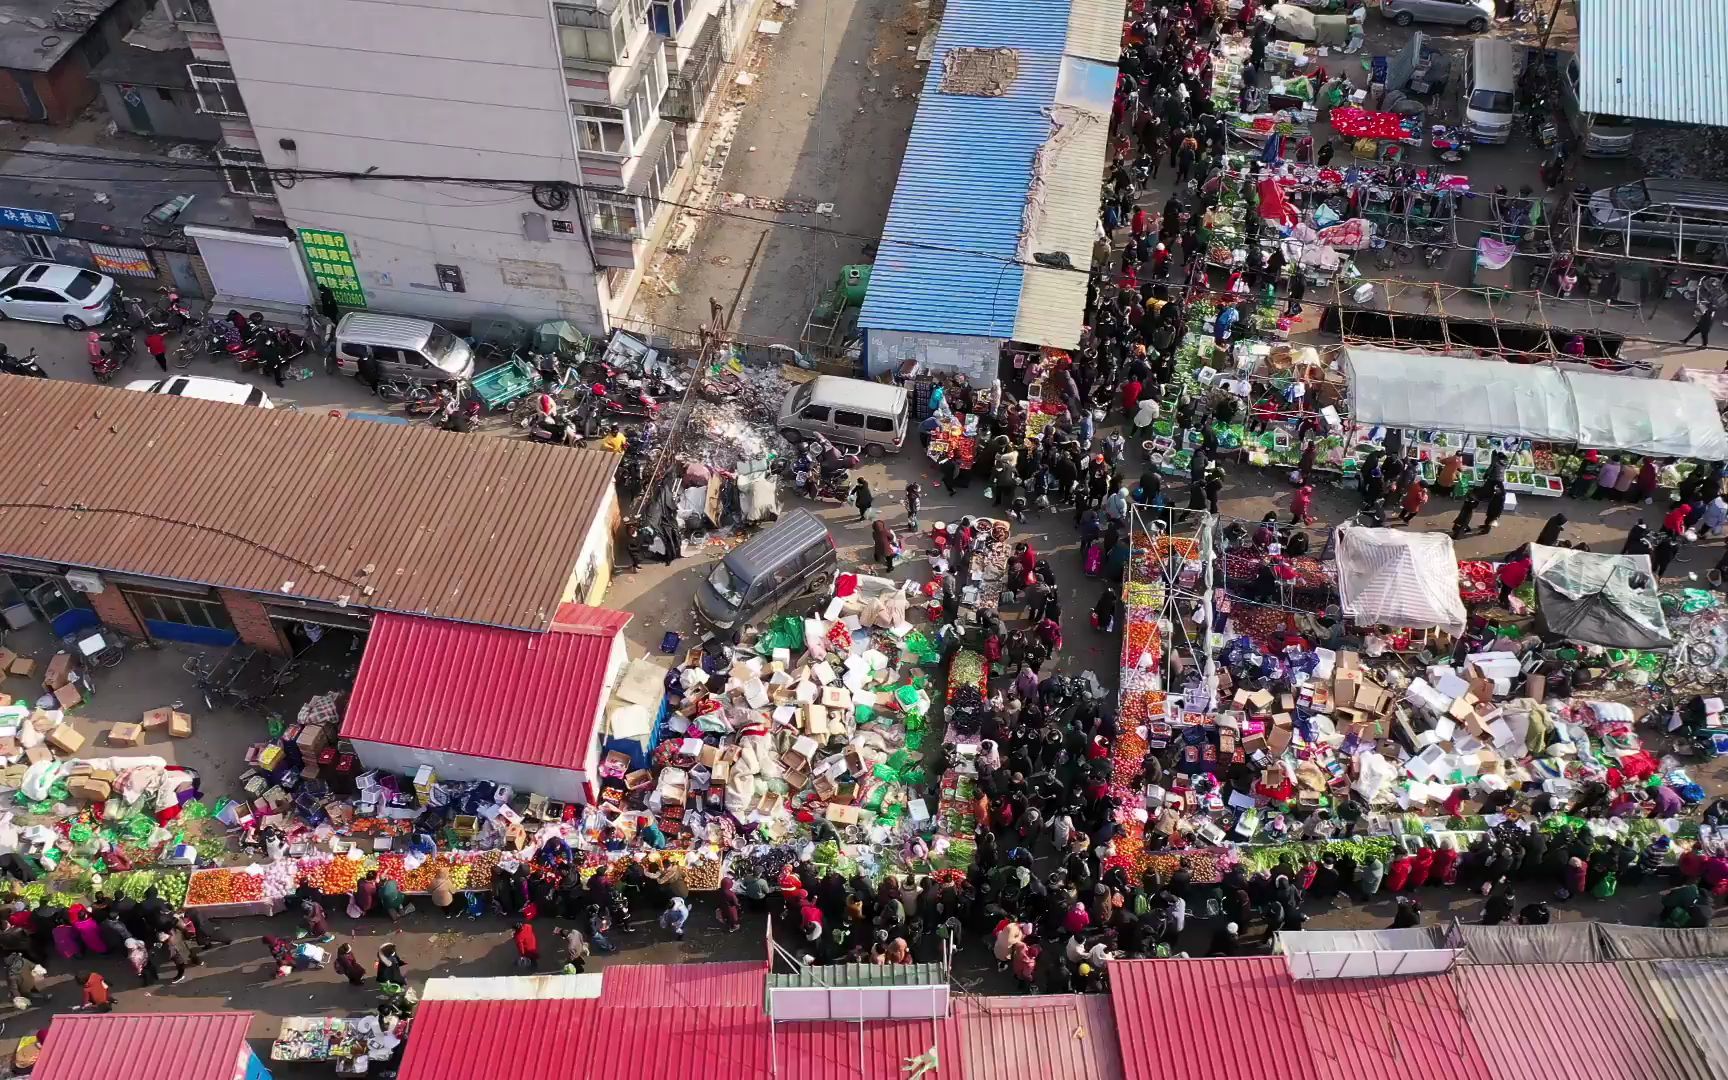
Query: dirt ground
[825, 121]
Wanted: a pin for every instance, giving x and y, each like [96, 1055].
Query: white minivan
[1490, 87]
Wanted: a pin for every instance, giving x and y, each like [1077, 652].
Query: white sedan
[51, 292]
[206, 389]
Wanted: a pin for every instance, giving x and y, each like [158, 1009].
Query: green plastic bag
[863, 714]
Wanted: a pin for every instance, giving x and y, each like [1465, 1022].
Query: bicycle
[403, 390]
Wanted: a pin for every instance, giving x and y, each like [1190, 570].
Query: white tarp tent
[1433, 391]
[1394, 578]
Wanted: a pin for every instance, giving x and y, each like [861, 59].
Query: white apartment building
[543, 96]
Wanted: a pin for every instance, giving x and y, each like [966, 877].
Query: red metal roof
[647, 986]
[482, 691]
[1066, 1037]
[658, 1020]
[1407, 1026]
[1579, 1021]
[1219, 1019]
[459, 1040]
[641, 1042]
[145, 1046]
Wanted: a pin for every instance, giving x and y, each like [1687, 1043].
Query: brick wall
[253, 623]
[115, 610]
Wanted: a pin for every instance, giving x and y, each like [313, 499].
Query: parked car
[1658, 211]
[50, 292]
[792, 559]
[205, 389]
[1472, 15]
[1603, 134]
[404, 348]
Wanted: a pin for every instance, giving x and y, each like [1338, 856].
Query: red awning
[144, 1046]
[482, 691]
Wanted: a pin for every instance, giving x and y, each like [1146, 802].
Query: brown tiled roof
[302, 505]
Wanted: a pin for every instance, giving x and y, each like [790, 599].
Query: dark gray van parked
[792, 559]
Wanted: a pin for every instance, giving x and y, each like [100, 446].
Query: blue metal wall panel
[947, 263]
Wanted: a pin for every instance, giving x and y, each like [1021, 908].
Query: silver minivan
[404, 348]
[1603, 134]
[851, 412]
[1490, 89]
[1663, 211]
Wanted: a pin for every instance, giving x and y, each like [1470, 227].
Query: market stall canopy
[1599, 599]
[186, 1046]
[1583, 943]
[1394, 578]
[1490, 397]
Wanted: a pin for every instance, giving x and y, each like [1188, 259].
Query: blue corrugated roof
[963, 182]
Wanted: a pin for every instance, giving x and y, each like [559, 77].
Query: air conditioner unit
[85, 581]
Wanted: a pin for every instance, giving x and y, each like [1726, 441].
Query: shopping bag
[1607, 887]
[354, 911]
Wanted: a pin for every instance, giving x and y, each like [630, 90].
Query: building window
[666, 17]
[182, 610]
[643, 104]
[589, 35]
[617, 215]
[602, 129]
[218, 93]
[191, 11]
[38, 246]
[245, 172]
[665, 167]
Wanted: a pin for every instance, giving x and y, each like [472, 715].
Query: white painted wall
[977, 358]
[565, 785]
[430, 87]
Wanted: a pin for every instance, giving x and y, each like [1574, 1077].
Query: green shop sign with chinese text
[333, 265]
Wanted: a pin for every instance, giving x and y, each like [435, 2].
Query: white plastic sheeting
[1396, 578]
[1489, 397]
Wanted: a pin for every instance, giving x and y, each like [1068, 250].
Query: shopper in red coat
[1421, 867]
[1131, 397]
[1398, 878]
[1445, 870]
[527, 946]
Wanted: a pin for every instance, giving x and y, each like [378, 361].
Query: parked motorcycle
[118, 342]
[174, 313]
[560, 427]
[439, 405]
[215, 338]
[103, 362]
[25, 365]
